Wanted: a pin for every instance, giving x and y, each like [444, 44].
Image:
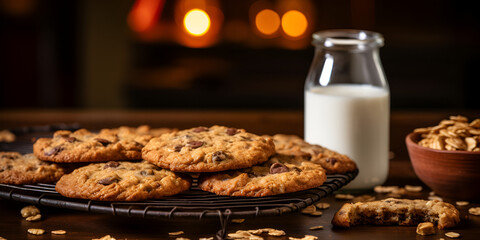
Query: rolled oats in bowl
[453, 134]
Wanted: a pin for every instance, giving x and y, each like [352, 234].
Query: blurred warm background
[213, 54]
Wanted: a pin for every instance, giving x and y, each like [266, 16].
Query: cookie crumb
[316, 227]
[425, 228]
[452, 234]
[322, 205]
[308, 210]
[29, 211]
[36, 231]
[106, 237]
[34, 218]
[462, 203]
[175, 233]
[307, 237]
[411, 188]
[474, 211]
[238, 220]
[344, 196]
[59, 232]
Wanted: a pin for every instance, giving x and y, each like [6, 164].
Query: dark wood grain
[82, 225]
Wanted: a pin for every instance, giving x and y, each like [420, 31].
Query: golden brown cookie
[281, 174]
[121, 181]
[124, 143]
[16, 168]
[331, 161]
[393, 211]
[203, 149]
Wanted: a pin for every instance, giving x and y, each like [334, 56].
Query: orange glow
[144, 14]
[267, 21]
[196, 22]
[294, 23]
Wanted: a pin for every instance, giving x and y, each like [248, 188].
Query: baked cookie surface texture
[333, 162]
[16, 168]
[121, 181]
[393, 211]
[281, 174]
[203, 149]
[124, 143]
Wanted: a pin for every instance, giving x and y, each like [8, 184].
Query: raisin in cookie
[16, 168]
[397, 211]
[122, 143]
[205, 149]
[281, 174]
[331, 161]
[121, 181]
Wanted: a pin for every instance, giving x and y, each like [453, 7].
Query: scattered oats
[175, 233]
[275, 232]
[344, 196]
[316, 227]
[322, 205]
[474, 211]
[238, 220]
[452, 234]
[307, 237]
[209, 238]
[441, 239]
[462, 203]
[36, 231]
[384, 189]
[400, 191]
[391, 195]
[435, 198]
[29, 211]
[308, 210]
[181, 238]
[106, 237]
[59, 232]
[6, 136]
[1, 238]
[34, 218]
[411, 188]
[432, 193]
[425, 228]
[364, 198]
[242, 234]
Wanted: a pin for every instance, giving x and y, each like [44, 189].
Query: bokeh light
[267, 21]
[196, 22]
[294, 23]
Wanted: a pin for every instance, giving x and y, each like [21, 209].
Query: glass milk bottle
[347, 102]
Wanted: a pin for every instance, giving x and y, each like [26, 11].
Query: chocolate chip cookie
[124, 143]
[393, 211]
[203, 149]
[281, 174]
[331, 161]
[121, 181]
[16, 168]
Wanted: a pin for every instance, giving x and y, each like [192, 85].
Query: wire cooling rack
[192, 204]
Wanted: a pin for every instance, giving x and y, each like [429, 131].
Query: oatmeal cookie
[203, 149]
[281, 174]
[121, 181]
[392, 211]
[16, 168]
[331, 161]
[122, 143]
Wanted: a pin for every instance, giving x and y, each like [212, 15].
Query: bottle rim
[349, 38]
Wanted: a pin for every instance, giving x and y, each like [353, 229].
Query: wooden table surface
[83, 225]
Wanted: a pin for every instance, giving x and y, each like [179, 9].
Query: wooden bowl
[452, 174]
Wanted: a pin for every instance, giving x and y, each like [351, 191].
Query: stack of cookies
[134, 164]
